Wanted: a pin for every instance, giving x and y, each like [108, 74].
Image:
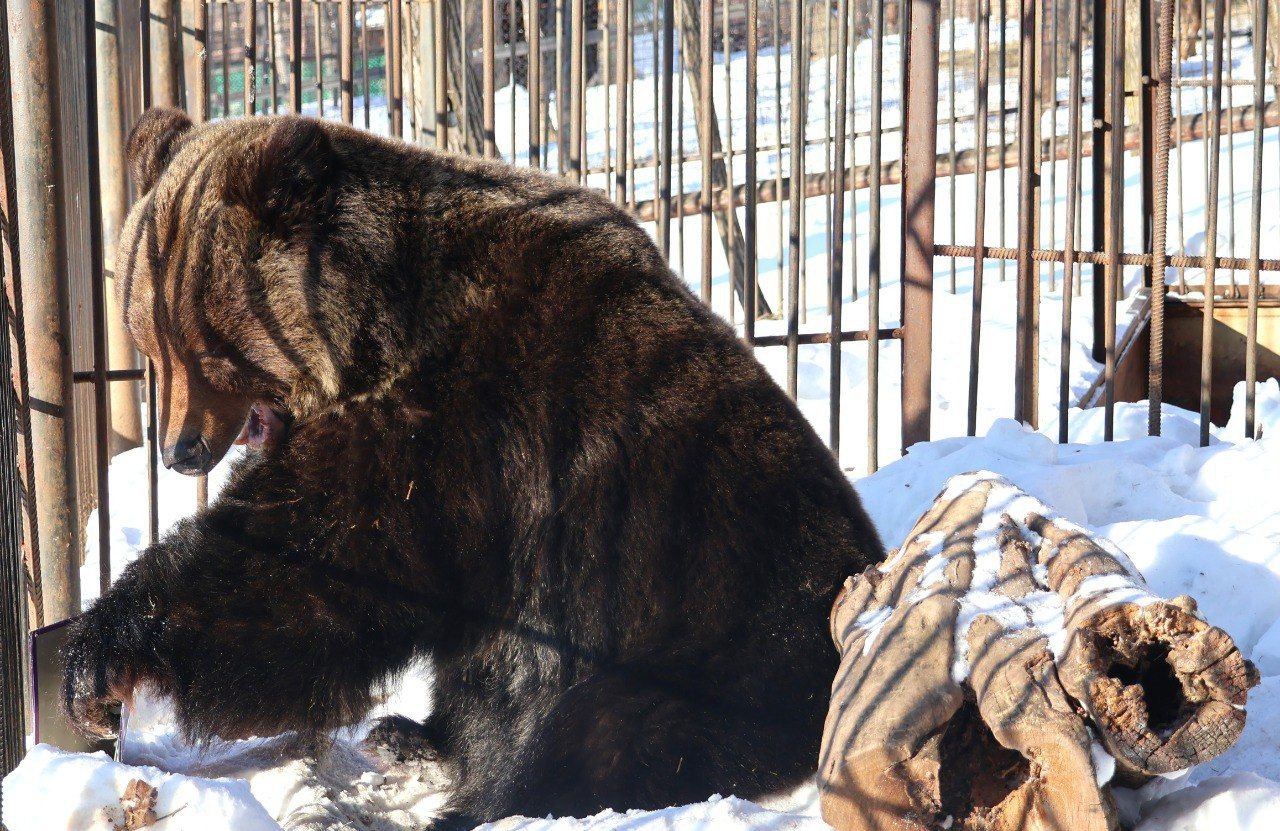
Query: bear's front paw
[100, 672]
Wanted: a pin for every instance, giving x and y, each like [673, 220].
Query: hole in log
[977, 773]
[1167, 707]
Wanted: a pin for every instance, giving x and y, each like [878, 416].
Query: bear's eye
[218, 371]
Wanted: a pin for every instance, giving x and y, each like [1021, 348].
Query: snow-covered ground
[1198, 521]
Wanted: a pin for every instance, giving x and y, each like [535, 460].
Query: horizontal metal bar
[825, 337]
[1042, 255]
[86, 376]
[1235, 120]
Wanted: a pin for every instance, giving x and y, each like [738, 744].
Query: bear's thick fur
[516, 444]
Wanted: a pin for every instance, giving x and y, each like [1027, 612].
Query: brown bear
[492, 429]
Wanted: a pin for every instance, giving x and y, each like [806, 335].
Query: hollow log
[1003, 665]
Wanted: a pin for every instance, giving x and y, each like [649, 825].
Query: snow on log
[1003, 665]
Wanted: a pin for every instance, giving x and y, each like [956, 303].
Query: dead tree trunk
[1003, 665]
[730, 231]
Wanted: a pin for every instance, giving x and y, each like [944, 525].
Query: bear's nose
[190, 455]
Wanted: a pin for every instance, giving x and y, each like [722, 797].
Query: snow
[54, 790]
[1198, 521]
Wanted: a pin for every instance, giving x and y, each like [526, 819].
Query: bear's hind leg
[649, 738]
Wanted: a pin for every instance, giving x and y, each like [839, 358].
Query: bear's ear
[152, 143]
[284, 180]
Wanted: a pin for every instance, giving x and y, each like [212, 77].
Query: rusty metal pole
[126, 414]
[920, 146]
[195, 53]
[441, 74]
[1162, 114]
[346, 60]
[44, 312]
[1026, 351]
[166, 66]
[249, 22]
[395, 70]
[97, 279]
[295, 57]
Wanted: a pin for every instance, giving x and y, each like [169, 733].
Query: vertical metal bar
[317, 42]
[165, 69]
[751, 244]
[273, 57]
[577, 54]
[706, 21]
[982, 127]
[490, 126]
[125, 407]
[533, 34]
[346, 59]
[153, 431]
[295, 55]
[395, 68]
[195, 51]
[873, 243]
[1102, 134]
[631, 105]
[666, 70]
[144, 64]
[250, 19]
[951, 112]
[1160, 207]
[562, 116]
[836, 301]
[920, 142]
[1211, 227]
[1115, 209]
[776, 8]
[1050, 92]
[364, 62]
[512, 34]
[45, 314]
[620, 105]
[97, 280]
[1002, 71]
[13, 576]
[1229, 91]
[732, 252]
[1146, 93]
[441, 23]
[224, 43]
[1070, 231]
[799, 94]
[1251, 325]
[1026, 351]
[682, 69]
[1182, 211]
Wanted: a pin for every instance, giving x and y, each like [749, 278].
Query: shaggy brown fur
[518, 446]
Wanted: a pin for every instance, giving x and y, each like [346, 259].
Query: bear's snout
[189, 455]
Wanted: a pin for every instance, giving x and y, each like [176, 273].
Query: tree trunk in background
[730, 231]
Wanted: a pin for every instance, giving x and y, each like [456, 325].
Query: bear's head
[227, 279]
